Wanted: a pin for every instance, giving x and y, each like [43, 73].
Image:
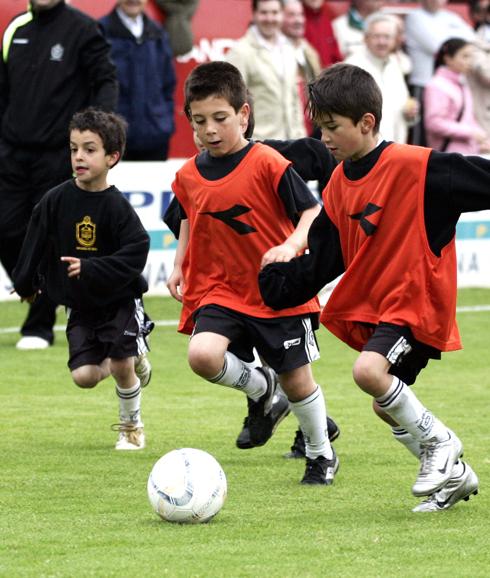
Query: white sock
[130, 403]
[312, 416]
[401, 435]
[400, 403]
[239, 375]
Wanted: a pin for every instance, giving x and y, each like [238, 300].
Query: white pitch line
[174, 322]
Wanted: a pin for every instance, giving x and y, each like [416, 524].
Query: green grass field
[70, 506]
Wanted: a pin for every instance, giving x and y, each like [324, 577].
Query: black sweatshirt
[100, 228]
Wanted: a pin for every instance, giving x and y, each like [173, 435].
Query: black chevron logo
[366, 225]
[229, 217]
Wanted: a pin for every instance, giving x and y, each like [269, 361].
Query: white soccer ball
[187, 486]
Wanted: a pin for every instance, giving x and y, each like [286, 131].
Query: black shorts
[284, 343]
[119, 333]
[406, 355]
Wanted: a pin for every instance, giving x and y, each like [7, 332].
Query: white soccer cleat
[131, 436]
[436, 463]
[457, 488]
[142, 368]
[30, 342]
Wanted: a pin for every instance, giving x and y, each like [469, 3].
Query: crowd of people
[77, 96]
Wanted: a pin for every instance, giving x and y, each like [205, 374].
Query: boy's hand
[29, 299]
[74, 267]
[279, 254]
[175, 284]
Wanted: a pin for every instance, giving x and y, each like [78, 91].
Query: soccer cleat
[298, 447]
[457, 488]
[243, 440]
[30, 342]
[142, 368]
[320, 471]
[267, 413]
[131, 436]
[436, 463]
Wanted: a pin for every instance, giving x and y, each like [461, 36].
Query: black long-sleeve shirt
[55, 63]
[101, 229]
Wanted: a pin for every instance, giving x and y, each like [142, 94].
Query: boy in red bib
[387, 226]
[243, 206]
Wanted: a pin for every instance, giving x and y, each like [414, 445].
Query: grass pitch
[71, 506]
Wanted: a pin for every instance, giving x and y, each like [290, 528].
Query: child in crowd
[239, 201]
[388, 224]
[450, 122]
[93, 248]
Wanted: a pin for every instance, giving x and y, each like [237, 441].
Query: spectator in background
[141, 51]
[450, 123]
[426, 28]
[307, 57]
[479, 74]
[378, 58]
[349, 27]
[55, 63]
[178, 19]
[319, 31]
[267, 62]
[480, 16]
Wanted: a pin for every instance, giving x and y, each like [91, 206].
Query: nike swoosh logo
[443, 470]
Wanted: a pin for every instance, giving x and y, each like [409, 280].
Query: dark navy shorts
[284, 343]
[406, 355]
[118, 332]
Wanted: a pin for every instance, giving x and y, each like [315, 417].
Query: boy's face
[89, 160]
[217, 126]
[346, 140]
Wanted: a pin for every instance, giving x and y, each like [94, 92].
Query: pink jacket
[443, 99]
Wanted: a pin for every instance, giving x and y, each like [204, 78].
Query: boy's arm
[295, 243]
[310, 157]
[284, 285]
[24, 275]
[175, 282]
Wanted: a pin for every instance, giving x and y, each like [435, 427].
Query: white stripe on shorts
[311, 347]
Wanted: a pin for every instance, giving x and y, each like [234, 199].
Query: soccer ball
[187, 486]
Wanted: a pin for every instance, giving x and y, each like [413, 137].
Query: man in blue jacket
[143, 57]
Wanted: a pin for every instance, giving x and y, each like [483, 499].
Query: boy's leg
[209, 357]
[128, 391]
[308, 405]
[142, 365]
[88, 376]
[440, 448]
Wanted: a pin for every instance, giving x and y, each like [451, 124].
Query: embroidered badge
[57, 52]
[85, 232]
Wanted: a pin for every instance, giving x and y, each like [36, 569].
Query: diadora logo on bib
[368, 226]
[228, 217]
[57, 52]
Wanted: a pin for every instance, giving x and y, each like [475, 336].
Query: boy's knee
[83, 379]
[365, 373]
[204, 362]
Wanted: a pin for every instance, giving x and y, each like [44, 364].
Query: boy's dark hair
[109, 126]
[346, 90]
[449, 48]
[217, 78]
[255, 4]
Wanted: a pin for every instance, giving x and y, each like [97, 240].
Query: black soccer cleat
[267, 413]
[320, 471]
[298, 447]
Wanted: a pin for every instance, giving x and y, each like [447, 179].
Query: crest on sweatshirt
[57, 52]
[86, 234]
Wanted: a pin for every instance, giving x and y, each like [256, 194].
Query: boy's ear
[244, 116]
[114, 158]
[368, 122]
